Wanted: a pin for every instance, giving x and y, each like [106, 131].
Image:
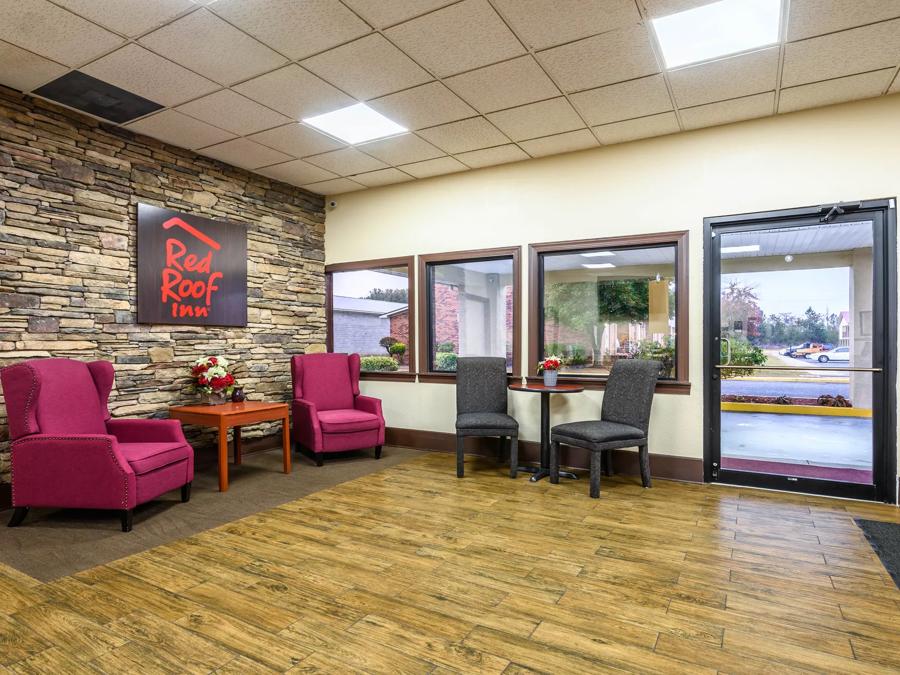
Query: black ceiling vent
[96, 97]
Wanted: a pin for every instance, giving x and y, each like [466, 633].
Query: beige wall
[840, 153]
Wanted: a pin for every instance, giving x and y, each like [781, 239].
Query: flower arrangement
[211, 377]
[549, 363]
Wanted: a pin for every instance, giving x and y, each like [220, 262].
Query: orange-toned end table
[236, 415]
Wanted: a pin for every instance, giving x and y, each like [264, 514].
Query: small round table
[544, 470]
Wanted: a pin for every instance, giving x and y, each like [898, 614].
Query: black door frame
[884, 351]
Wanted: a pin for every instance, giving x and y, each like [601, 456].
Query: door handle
[727, 351]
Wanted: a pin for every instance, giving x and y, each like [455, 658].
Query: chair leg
[319, 458]
[459, 456]
[645, 465]
[127, 517]
[513, 456]
[185, 493]
[595, 475]
[554, 462]
[18, 516]
[377, 452]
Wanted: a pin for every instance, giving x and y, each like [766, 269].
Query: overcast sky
[792, 291]
[358, 284]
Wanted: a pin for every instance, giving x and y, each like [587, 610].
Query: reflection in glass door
[797, 354]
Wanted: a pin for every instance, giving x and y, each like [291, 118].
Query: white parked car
[837, 354]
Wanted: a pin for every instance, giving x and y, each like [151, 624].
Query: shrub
[388, 342]
[445, 348]
[742, 354]
[377, 363]
[665, 354]
[397, 349]
[445, 361]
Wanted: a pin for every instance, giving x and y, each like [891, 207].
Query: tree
[740, 306]
[388, 294]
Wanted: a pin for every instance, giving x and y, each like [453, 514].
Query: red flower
[202, 380]
[213, 360]
[229, 379]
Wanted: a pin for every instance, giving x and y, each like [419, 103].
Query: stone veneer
[69, 187]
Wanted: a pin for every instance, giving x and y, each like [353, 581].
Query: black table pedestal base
[545, 473]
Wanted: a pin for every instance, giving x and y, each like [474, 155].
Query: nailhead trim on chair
[77, 438]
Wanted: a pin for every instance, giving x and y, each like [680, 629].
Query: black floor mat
[885, 541]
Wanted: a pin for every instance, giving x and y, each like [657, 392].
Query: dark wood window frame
[361, 266]
[426, 374]
[681, 384]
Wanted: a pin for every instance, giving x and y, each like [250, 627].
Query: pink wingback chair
[329, 413]
[67, 452]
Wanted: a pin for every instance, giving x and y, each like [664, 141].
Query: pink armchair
[329, 413]
[68, 453]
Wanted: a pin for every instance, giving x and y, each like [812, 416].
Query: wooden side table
[236, 415]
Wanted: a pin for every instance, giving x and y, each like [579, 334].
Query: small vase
[550, 378]
[237, 395]
[215, 398]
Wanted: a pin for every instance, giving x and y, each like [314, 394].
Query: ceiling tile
[465, 135]
[560, 143]
[847, 53]
[636, 98]
[619, 55]
[368, 67]
[809, 18]
[434, 167]
[48, 30]
[725, 112]
[335, 186]
[23, 70]
[544, 23]
[346, 161]
[666, 7]
[384, 13]
[224, 53]
[504, 85]
[425, 106]
[502, 154]
[843, 89]
[294, 92]
[644, 127]
[245, 154]
[402, 149]
[382, 177]
[537, 119]
[128, 17]
[461, 37]
[297, 29]
[142, 72]
[298, 140]
[172, 127]
[233, 112]
[297, 172]
[726, 78]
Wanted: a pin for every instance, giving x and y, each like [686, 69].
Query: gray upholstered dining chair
[481, 404]
[624, 421]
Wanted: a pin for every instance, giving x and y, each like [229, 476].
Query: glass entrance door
[797, 388]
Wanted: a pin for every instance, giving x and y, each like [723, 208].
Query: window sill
[662, 386]
[450, 378]
[387, 376]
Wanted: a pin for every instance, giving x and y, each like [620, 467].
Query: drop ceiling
[478, 82]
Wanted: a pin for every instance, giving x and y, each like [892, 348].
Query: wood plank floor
[410, 570]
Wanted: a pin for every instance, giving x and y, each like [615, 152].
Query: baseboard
[5, 496]
[671, 467]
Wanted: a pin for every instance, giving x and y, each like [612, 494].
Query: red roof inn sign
[191, 270]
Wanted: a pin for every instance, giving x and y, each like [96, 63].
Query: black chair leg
[513, 456]
[645, 465]
[459, 456]
[185, 493]
[595, 475]
[18, 516]
[377, 452]
[127, 517]
[319, 458]
[554, 462]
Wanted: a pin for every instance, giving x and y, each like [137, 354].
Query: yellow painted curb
[821, 410]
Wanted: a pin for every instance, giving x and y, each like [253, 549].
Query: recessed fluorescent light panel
[598, 266]
[597, 254]
[356, 124]
[718, 29]
[752, 248]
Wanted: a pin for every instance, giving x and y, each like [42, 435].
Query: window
[370, 313]
[602, 300]
[470, 305]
